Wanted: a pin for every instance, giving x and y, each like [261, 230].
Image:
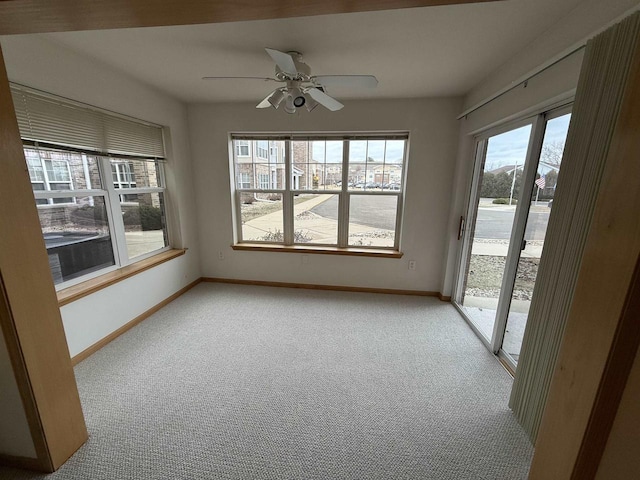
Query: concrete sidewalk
[260, 226]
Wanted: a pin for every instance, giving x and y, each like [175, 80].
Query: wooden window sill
[359, 252]
[71, 294]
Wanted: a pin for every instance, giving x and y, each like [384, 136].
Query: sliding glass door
[501, 160]
[537, 214]
[511, 199]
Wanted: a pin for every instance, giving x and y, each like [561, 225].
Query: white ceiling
[419, 52]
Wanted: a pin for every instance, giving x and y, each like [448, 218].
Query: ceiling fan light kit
[310, 102]
[276, 98]
[303, 89]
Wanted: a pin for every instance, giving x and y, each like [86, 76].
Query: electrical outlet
[412, 264]
[220, 255]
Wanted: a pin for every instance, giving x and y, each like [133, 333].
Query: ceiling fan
[300, 87]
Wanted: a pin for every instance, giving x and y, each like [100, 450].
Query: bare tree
[551, 154]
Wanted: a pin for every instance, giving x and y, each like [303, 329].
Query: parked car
[339, 184]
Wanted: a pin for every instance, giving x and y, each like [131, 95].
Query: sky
[387, 151]
[510, 147]
[507, 148]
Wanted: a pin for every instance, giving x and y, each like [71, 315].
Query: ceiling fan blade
[283, 60]
[324, 99]
[264, 79]
[265, 103]
[356, 81]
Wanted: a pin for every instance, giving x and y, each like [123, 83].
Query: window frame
[113, 207]
[114, 196]
[343, 191]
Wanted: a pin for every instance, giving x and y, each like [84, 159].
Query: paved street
[377, 211]
[495, 222]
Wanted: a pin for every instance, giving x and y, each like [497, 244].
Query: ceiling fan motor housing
[301, 88]
[303, 70]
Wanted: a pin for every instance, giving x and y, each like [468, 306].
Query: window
[242, 148]
[97, 228]
[263, 179]
[273, 154]
[322, 191]
[243, 180]
[123, 177]
[49, 171]
[262, 149]
[100, 195]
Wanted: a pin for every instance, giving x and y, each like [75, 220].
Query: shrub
[298, 236]
[504, 201]
[247, 198]
[145, 216]
[150, 217]
[301, 237]
[276, 236]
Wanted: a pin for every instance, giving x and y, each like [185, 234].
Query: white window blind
[57, 121]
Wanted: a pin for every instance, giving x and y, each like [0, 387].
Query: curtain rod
[522, 80]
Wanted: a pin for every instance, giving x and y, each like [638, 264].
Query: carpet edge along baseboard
[341, 288]
[132, 323]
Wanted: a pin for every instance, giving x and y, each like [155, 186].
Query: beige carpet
[240, 382]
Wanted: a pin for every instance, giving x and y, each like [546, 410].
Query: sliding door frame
[538, 121]
[471, 212]
[518, 232]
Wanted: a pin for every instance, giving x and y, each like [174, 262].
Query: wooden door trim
[29, 315]
[43, 460]
[614, 380]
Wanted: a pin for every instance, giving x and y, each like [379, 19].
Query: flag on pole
[541, 182]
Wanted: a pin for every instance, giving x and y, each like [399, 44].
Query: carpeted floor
[241, 382]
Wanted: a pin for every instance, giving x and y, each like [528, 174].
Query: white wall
[432, 152]
[15, 436]
[35, 61]
[89, 319]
